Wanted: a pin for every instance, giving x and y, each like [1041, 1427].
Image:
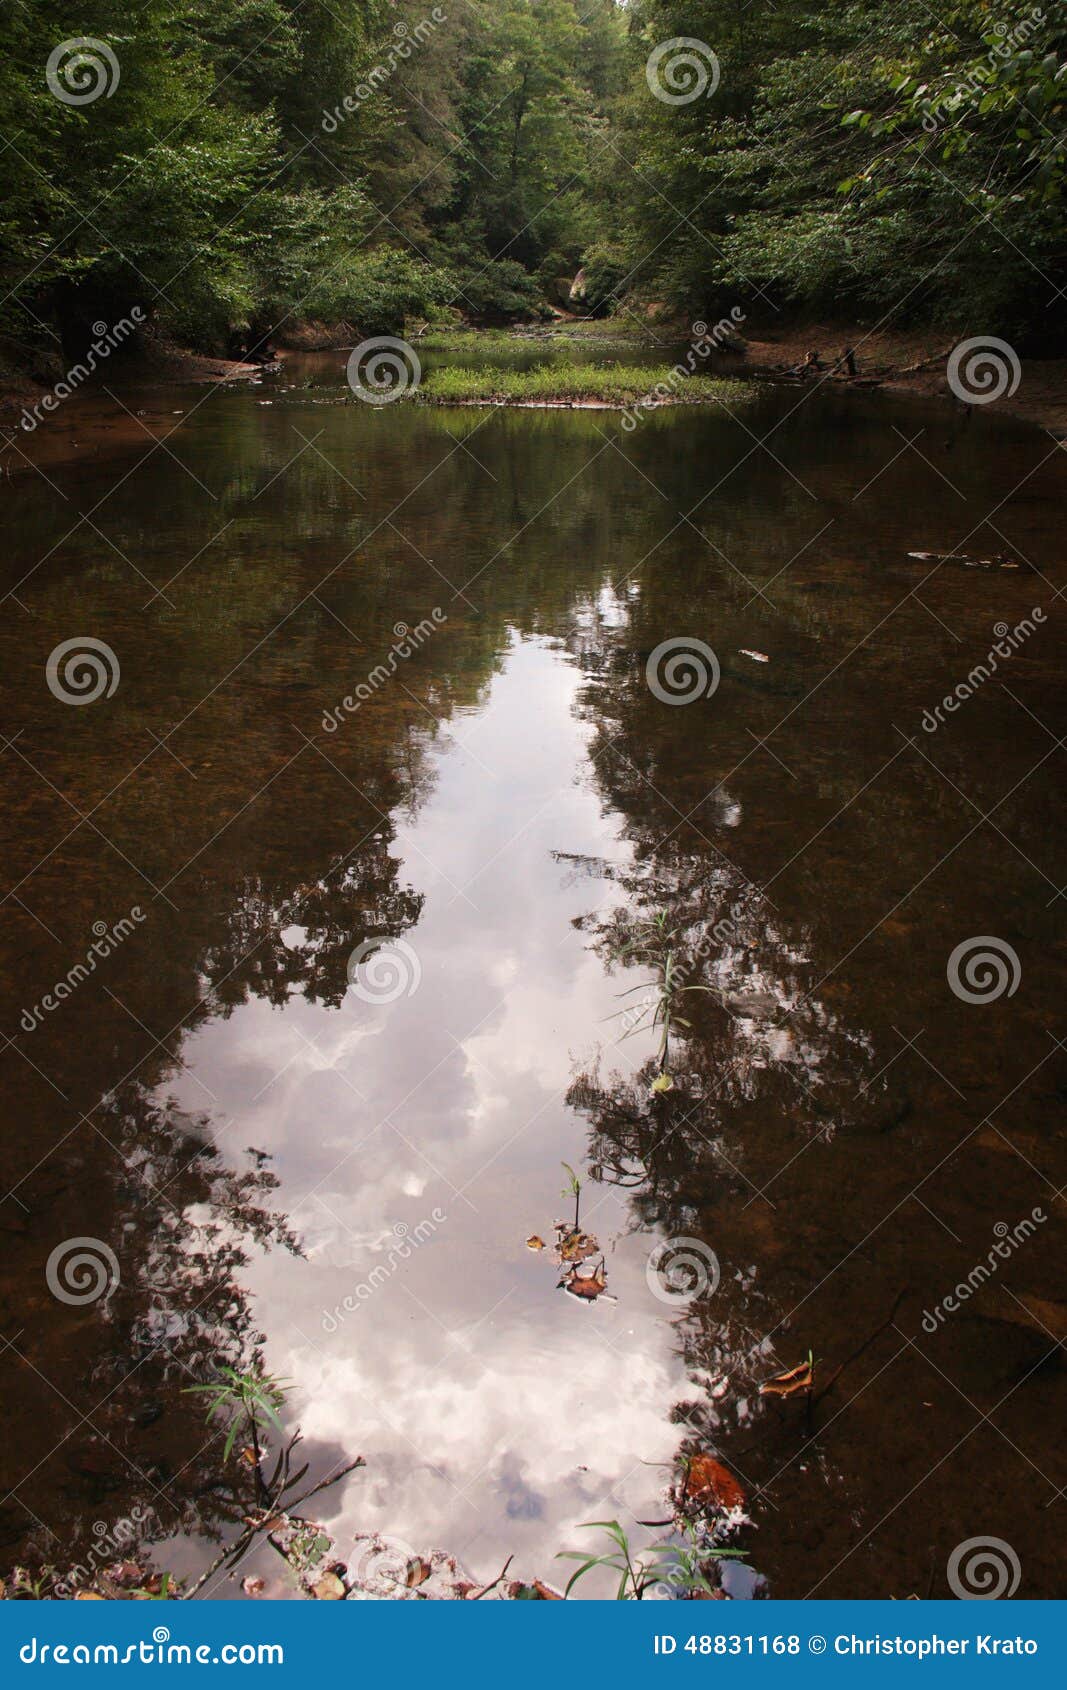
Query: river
[362, 989]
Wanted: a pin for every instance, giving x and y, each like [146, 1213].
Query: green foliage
[612, 384]
[254, 1400]
[871, 157]
[657, 944]
[258, 162]
[680, 1566]
[378, 291]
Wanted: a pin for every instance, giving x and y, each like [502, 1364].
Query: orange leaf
[788, 1384]
[707, 1479]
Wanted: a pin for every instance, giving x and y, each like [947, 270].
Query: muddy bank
[912, 363]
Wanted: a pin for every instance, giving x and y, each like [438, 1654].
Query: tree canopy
[235, 166]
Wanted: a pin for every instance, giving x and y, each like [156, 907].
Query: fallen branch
[236, 1550]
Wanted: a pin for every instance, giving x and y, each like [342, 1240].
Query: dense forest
[237, 167]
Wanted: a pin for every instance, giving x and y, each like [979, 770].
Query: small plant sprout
[254, 1400]
[657, 945]
[681, 1566]
[573, 1188]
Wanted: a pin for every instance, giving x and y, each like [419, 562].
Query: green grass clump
[613, 384]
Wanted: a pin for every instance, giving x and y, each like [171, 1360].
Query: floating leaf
[588, 1286]
[575, 1246]
[708, 1480]
[790, 1384]
[535, 1243]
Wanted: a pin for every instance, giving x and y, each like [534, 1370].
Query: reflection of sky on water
[494, 1411]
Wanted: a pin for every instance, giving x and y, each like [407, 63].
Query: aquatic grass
[656, 944]
[562, 383]
[573, 1188]
[254, 1399]
[680, 1567]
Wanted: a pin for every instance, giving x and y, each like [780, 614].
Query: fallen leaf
[756, 656]
[574, 1246]
[586, 1285]
[328, 1588]
[535, 1243]
[88, 1596]
[418, 1572]
[253, 1586]
[707, 1478]
[788, 1384]
[535, 1592]
[126, 1574]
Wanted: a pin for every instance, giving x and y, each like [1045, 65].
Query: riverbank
[908, 363]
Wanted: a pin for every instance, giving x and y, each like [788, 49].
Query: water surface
[257, 1142]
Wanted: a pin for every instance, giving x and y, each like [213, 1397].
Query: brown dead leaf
[253, 1586]
[588, 1286]
[574, 1246]
[418, 1572]
[537, 1591]
[790, 1384]
[708, 1480]
[535, 1243]
[126, 1574]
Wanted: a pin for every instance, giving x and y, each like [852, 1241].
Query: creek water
[334, 1165]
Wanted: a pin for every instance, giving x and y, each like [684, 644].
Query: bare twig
[499, 1577]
